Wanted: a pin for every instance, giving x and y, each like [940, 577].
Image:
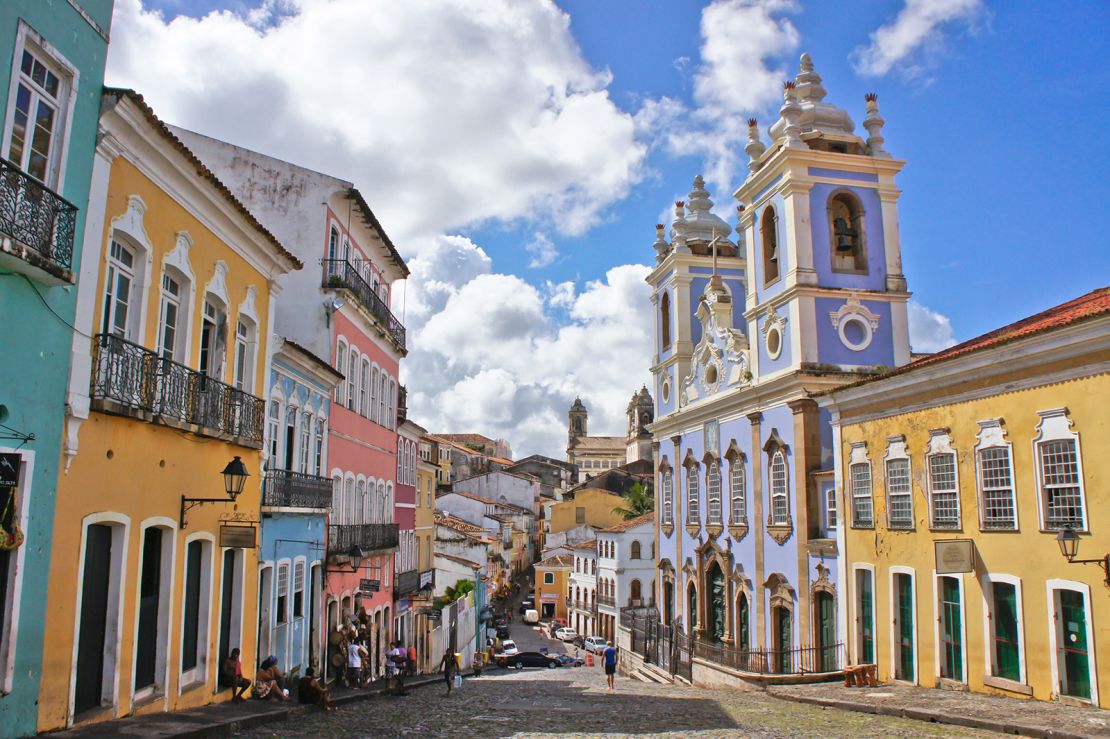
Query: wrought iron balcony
[289, 489]
[406, 582]
[607, 601]
[129, 379]
[39, 225]
[369, 537]
[339, 273]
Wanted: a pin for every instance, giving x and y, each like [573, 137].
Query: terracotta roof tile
[460, 560]
[631, 523]
[556, 560]
[591, 544]
[1093, 304]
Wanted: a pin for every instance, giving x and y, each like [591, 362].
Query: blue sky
[997, 108]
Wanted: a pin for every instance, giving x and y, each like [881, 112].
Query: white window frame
[363, 387]
[988, 582]
[111, 306]
[831, 518]
[857, 568]
[281, 590]
[375, 374]
[993, 437]
[713, 492]
[693, 502]
[738, 493]
[168, 566]
[321, 435]
[341, 350]
[352, 379]
[69, 80]
[245, 343]
[859, 462]
[897, 451]
[174, 301]
[779, 493]
[940, 444]
[1056, 425]
[391, 405]
[197, 675]
[305, 451]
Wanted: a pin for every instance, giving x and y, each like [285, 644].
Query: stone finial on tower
[678, 237]
[755, 147]
[790, 111]
[699, 201]
[874, 125]
[661, 246]
[809, 84]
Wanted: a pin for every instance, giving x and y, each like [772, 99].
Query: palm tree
[638, 500]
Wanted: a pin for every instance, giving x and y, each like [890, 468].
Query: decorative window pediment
[855, 323]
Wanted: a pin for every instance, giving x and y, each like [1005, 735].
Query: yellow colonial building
[154, 569]
[552, 593]
[959, 478]
[586, 506]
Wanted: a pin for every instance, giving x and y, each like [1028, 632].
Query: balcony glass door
[904, 621]
[951, 630]
[1073, 655]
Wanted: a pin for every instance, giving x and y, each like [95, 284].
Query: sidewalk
[224, 719]
[976, 710]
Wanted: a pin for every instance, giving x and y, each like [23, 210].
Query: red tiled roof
[629, 524]
[1093, 304]
[468, 438]
[556, 560]
[202, 170]
[591, 544]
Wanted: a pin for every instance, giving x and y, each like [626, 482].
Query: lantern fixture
[235, 476]
[1068, 541]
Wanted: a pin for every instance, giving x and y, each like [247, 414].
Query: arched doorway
[782, 638]
[824, 611]
[715, 624]
[743, 621]
[668, 603]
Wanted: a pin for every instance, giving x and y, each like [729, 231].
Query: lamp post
[235, 477]
[1068, 541]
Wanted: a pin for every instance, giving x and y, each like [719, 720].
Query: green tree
[454, 592]
[638, 500]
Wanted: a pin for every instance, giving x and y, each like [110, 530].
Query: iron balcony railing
[369, 537]
[289, 489]
[132, 379]
[36, 216]
[406, 582]
[801, 661]
[607, 601]
[340, 273]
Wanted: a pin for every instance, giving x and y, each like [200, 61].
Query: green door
[865, 613]
[1006, 662]
[951, 630]
[742, 627]
[784, 640]
[903, 585]
[1075, 672]
[826, 633]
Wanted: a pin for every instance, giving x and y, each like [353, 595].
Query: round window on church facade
[774, 343]
[711, 375]
[666, 391]
[855, 333]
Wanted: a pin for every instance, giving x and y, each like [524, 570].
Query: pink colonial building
[338, 307]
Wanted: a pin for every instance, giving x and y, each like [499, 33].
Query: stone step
[660, 675]
[650, 676]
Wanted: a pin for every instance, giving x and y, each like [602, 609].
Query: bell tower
[577, 418]
[820, 224]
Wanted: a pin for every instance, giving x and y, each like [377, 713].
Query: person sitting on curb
[231, 676]
[266, 686]
[310, 692]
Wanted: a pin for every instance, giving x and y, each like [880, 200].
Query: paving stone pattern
[573, 702]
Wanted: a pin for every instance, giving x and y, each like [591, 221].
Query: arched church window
[846, 233]
[780, 505]
[768, 229]
[665, 320]
[668, 497]
[713, 492]
[692, 512]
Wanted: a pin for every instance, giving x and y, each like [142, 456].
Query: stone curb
[933, 717]
[197, 723]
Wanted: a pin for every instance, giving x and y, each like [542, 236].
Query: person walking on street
[398, 656]
[610, 664]
[449, 667]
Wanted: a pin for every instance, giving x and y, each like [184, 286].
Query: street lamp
[235, 477]
[1068, 541]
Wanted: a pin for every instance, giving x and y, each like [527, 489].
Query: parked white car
[531, 616]
[509, 648]
[595, 644]
[566, 634]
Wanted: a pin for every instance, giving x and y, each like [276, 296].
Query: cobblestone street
[574, 702]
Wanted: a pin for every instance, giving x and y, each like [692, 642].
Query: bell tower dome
[820, 224]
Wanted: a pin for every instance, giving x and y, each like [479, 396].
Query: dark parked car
[533, 659]
[502, 632]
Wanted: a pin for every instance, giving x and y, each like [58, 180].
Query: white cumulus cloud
[542, 249]
[445, 113]
[930, 331]
[912, 39]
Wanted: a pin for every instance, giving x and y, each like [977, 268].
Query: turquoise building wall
[34, 334]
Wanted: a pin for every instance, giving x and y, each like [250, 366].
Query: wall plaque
[238, 537]
[954, 556]
[9, 469]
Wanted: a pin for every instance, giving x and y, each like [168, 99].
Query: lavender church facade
[805, 294]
